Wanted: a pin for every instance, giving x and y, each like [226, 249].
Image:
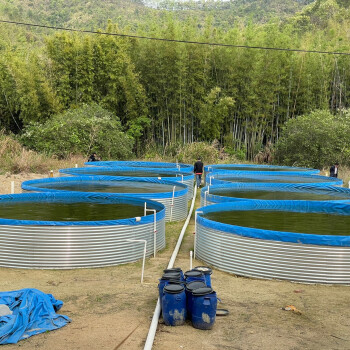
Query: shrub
[80, 131]
[191, 151]
[315, 140]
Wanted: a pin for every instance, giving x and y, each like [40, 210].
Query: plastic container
[203, 308]
[193, 275]
[207, 271]
[175, 269]
[166, 278]
[174, 305]
[190, 287]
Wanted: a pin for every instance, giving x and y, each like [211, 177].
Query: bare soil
[111, 310]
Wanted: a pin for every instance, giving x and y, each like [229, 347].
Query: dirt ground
[111, 310]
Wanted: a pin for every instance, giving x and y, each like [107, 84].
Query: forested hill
[170, 93]
[95, 13]
[75, 13]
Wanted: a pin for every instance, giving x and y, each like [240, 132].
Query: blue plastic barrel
[190, 287]
[194, 275]
[203, 308]
[175, 269]
[207, 271]
[174, 305]
[166, 278]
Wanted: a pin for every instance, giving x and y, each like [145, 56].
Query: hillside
[75, 13]
[95, 14]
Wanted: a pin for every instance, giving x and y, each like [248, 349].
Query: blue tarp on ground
[34, 312]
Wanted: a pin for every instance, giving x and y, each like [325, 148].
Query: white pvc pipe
[191, 253]
[12, 187]
[195, 233]
[205, 197]
[144, 254]
[172, 204]
[76, 165]
[210, 177]
[155, 319]
[349, 184]
[154, 228]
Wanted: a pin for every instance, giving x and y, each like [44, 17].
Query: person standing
[198, 171]
[93, 158]
[333, 171]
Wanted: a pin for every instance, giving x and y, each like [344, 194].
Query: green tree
[80, 131]
[315, 140]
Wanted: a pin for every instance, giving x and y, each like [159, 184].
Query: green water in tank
[311, 223]
[245, 168]
[273, 179]
[79, 211]
[128, 173]
[269, 194]
[108, 186]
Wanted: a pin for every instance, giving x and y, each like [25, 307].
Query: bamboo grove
[168, 93]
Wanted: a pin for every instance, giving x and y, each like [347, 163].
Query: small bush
[80, 131]
[315, 140]
[191, 151]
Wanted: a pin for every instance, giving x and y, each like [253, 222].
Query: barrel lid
[205, 269]
[193, 273]
[171, 275]
[173, 269]
[202, 291]
[182, 283]
[195, 285]
[173, 288]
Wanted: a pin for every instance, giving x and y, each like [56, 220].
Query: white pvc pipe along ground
[154, 324]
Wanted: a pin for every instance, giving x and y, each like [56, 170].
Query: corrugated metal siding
[66, 247]
[179, 209]
[259, 258]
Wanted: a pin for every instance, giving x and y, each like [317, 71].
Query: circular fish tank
[302, 241]
[142, 164]
[77, 230]
[255, 167]
[262, 191]
[269, 177]
[172, 195]
[147, 174]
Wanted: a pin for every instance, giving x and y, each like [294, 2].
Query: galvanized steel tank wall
[260, 258]
[66, 247]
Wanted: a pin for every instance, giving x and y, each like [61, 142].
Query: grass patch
[17, 159]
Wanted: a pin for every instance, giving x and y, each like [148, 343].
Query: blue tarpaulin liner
[272, 187]
[74, 197]
[292, 206]
[179, 166]
[34, 312]
[181, 189]
[258, 167]
[224, 177]
[177, 176]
